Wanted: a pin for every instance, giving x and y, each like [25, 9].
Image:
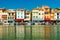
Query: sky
[28, 4]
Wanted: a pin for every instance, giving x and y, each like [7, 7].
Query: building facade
[41, 15]
[11, 16]
[37, 14]
[47, 11]
[52, 15]
[20, 15]
[56, 14]
[28, 16]
[3, 15]
[1, 11]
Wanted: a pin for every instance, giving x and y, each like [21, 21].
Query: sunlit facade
[10, 15]
[39, 14]
[28, 16]
[3, 15]
[57, 14]
[47, 13]
[20, 15]
[1, 11]
[35, 15]
[52, 15]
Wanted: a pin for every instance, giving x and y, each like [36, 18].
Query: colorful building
[20, 15]
[41, 14]
[3, 15]
[1, 11]
[11, 15]
[52, 15]
[47, 11]
[28, 16]
[56, 14]
[37, 14]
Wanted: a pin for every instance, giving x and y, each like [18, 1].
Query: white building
[57, 16]
[37, 14]
[20, 15]
[41, 15]
[5, 17]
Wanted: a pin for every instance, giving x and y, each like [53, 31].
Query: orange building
[47, 13]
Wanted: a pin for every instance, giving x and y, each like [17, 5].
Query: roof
[37, 9]
[45, 7]
[2, 8]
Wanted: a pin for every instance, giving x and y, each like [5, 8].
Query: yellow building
[37, 14]
[28, 16]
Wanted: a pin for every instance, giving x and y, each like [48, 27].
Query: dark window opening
[46, 12]
[12, 13]
[39, 13]
[46, 8]
[27, 13]
[57, 13]
[9, 14]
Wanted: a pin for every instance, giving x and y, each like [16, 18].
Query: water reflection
[30, 32]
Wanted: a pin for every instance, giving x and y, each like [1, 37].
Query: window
[26, 16]
[46, 8]
[21, 13]
[18, 16]
[57, 16]
[42, 13]
[33, 16]
[9, 14]
[46, 12]
[36, 16]
[12, 14]
[57, 13]
[21, 16]
[39, 13]
[18, 13]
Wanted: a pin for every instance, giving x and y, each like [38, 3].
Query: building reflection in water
[30, 32]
